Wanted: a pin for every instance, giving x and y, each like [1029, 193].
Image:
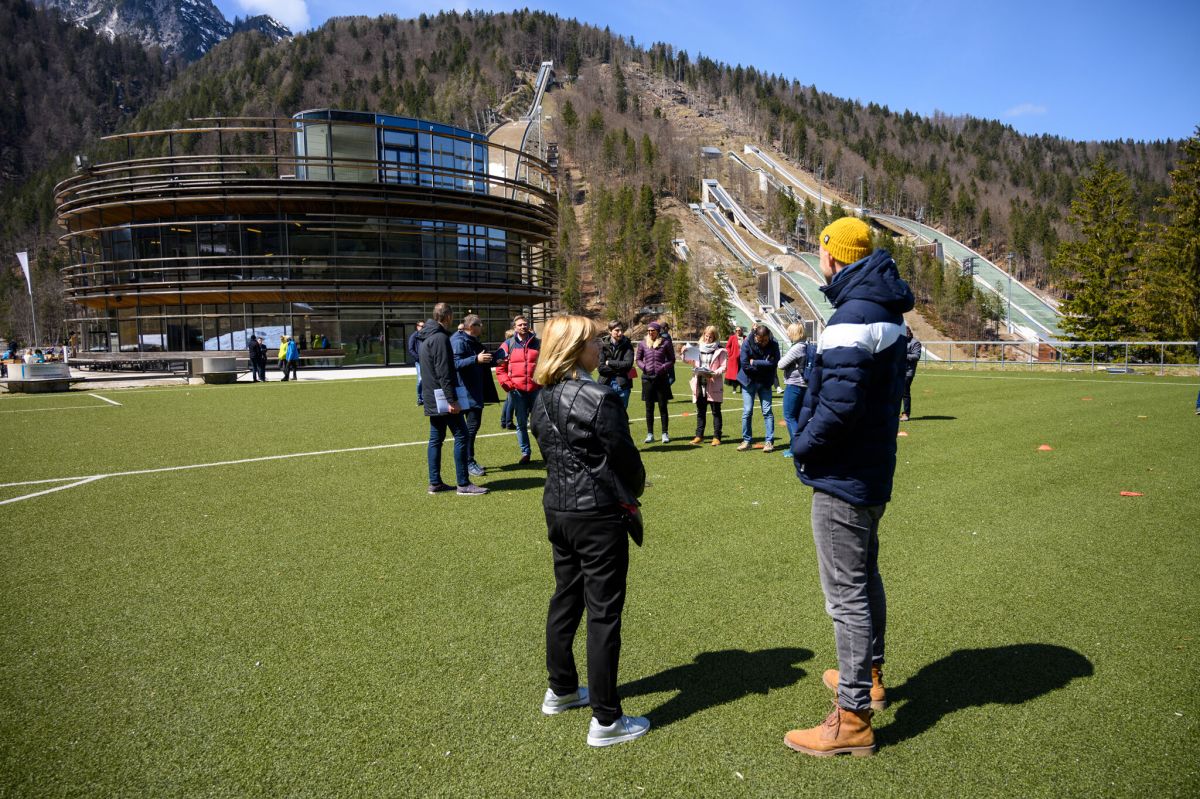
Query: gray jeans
[847, 541]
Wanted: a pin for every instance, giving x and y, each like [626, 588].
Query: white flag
[23, 257]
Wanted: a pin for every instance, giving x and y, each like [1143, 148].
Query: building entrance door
[396, 342]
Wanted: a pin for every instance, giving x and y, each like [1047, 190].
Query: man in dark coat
[845, 449]
[258, 358]
[441, 398]
[414, 355]
[912, 357]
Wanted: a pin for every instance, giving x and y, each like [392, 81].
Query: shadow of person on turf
[515, 483]
[1004, 675]
[717, 678]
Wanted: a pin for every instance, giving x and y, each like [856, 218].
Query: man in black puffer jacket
[845, 448]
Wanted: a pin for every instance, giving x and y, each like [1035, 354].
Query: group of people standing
[288, 357]
[844, 396]
[841, 405]
[749, 365]
[454, 383]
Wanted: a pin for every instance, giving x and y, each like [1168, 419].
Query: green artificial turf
[320, 626]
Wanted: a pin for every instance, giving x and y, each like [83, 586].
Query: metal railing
[1157, 357]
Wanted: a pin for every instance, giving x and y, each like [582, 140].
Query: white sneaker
[623, 729]
[553, 704]
[649, 438]
[666, 439]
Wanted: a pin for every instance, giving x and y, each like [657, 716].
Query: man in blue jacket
[474, 373]
[845, 448]
[758, 359]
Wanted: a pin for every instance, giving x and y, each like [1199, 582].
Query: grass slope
[319, 626]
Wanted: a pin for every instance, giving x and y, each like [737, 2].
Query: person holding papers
[444, 398]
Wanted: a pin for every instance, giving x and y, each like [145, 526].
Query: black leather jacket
[591, 460]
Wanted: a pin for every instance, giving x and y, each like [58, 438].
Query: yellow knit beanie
[848, 239]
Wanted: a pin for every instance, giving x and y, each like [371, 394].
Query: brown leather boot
[697, 440]
[842, 732]
[878, 693]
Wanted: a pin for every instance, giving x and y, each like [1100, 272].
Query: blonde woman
[708, 369]
[796, 365]
[594, 476]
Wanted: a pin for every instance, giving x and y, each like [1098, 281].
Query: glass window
[316, 165]
[361, 341]
[400, 138]
[304, 240]
[354, 153]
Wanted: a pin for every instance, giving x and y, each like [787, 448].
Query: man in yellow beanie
[845, 449]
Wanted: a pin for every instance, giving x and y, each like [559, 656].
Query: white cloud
[293, 13]
[1025, 110]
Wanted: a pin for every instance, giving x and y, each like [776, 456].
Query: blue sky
[1098, 70]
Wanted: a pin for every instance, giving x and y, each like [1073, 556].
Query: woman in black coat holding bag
[594, 476]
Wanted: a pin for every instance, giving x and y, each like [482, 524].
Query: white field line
[52, 490]
[105, 399]
[59, 408]
[83, 479]
[298, 381]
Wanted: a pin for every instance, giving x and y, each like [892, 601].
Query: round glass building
[341, 228]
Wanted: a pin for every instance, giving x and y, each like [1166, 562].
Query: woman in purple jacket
[655, 358]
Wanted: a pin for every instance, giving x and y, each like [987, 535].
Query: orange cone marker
[1132, 494]
[1045, 448]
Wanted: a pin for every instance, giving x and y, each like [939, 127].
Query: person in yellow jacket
[283, 342]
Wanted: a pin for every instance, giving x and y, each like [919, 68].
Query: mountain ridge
[184, 28]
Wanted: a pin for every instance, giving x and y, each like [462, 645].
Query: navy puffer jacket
[846, 444]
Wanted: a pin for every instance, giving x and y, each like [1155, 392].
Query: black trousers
[591, 560]
[474, 419]
[909, 374]
[702, 406]
[663, 414]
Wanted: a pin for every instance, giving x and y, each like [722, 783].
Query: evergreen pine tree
[1168, 305]
[720, 310]
[1100, 261]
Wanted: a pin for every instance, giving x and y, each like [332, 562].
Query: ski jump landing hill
[1032, 317]
[723, 216]
[515, 134]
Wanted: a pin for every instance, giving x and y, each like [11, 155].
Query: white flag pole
[23, 257]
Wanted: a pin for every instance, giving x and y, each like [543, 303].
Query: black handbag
[633, 522]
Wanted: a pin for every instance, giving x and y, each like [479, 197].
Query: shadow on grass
[651, 448]
[538, 465]
[933, 419]
[717, 678]
[1005, 675]
[515, 483]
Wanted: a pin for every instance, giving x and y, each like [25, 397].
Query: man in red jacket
[515, 373]
[734, 347]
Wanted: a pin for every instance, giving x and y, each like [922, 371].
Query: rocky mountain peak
[187, 28]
